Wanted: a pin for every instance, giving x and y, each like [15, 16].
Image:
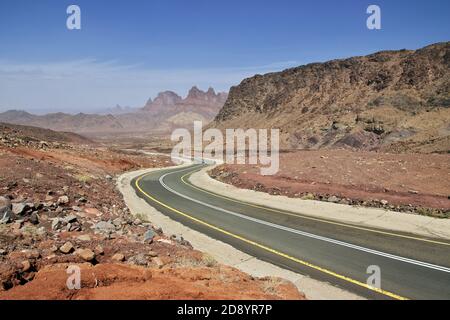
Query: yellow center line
[311, 218]
[268, 249]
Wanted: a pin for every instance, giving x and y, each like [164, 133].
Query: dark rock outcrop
[369, 97]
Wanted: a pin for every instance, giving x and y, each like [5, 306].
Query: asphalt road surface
[345, 255]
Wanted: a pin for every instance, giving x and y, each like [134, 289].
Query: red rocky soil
[59, 206]
[416, 183]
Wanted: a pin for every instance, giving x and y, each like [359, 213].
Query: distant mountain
[205, 104]
[391, 100]
[118, 109]
[166, 112]
[80, 123]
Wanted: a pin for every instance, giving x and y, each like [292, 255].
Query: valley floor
[414, 183]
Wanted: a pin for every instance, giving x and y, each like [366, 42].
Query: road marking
[302, 233]
[310, 218]
[276, 252]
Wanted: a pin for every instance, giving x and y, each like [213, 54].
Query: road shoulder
[364, 217]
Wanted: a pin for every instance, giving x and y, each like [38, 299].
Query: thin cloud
[86, 85]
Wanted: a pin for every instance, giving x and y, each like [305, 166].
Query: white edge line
[305, 234]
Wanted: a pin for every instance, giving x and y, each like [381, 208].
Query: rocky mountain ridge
[391, 100]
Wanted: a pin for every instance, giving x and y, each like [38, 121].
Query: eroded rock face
[319, 104]
[5, 205]
[204, 105]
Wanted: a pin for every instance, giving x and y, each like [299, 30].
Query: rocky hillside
[165, 113]
[16, 136]
[391, 100]
[60, 206]
[80, 123]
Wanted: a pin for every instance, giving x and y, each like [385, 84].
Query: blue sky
[127, 51]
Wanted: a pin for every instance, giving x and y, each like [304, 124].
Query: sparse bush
[83, 178]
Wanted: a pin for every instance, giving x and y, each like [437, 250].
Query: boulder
[6, 214]
[139, 260]
[99, 250]
[333, 199]
[118, 257]
[5, 205]
[34, 218]
[66, 247]
[57, 224]
[63, 200]
[26, 266]
[149, 235]
[19, 208]
[70, 218]
[86, 254]
[105, 226]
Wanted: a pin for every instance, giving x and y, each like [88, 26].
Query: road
[410, 267]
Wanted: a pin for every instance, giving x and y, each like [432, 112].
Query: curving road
[339, 253]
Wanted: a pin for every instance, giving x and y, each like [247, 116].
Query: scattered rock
[333, 199]
[118, 222]
[19, 208]
[33, 254]
[6, 215]
[66, 248]
[5, 205]
[70, 218]
[384, 202]
[86, 254]
[99, 250]
[63, 200]
[149, 235]
[139, 260]
[179, 239]
[159, 263]
[48, 202]
[105, 226]
[34, 218]
[118, 257]
[82, 200]
[308, 196]
[92, 212]
[26, 266]
[84, 237]
[57, 224]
